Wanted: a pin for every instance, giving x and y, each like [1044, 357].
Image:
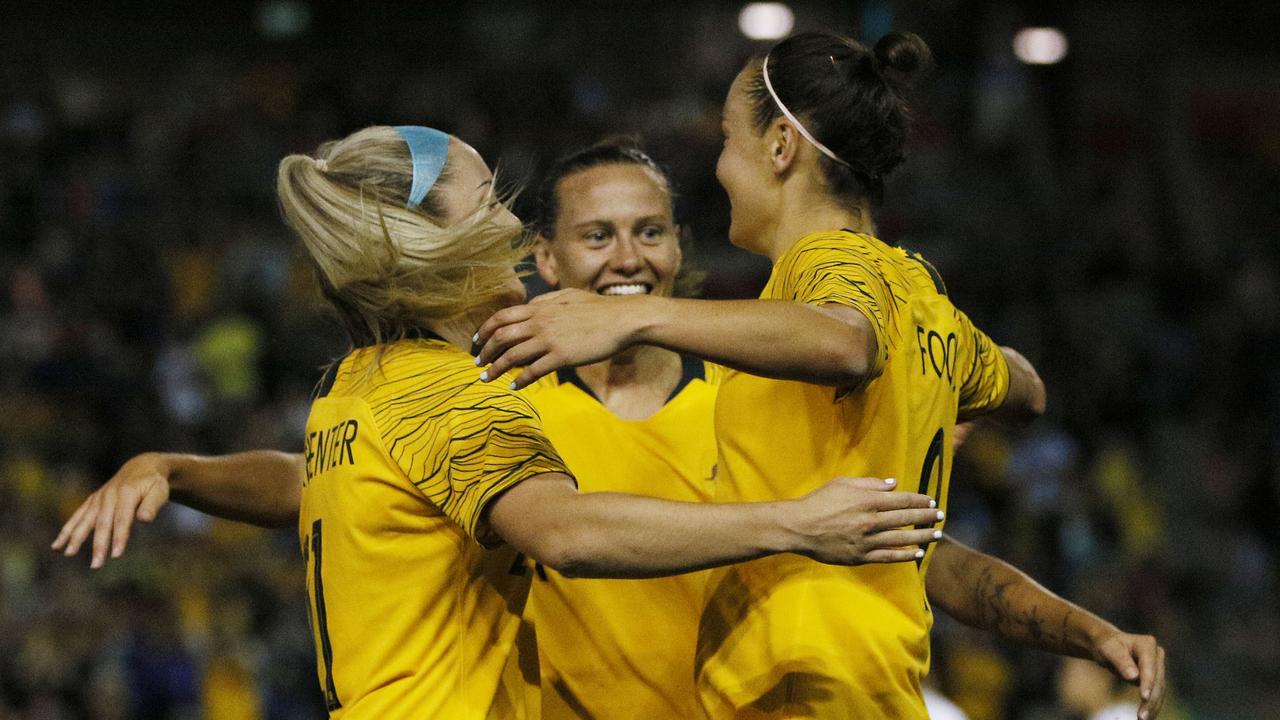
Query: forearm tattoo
[1005, 607]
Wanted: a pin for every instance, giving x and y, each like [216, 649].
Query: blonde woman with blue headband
[854, 360]
[421, 485]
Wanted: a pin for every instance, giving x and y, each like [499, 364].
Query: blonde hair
[388, 269]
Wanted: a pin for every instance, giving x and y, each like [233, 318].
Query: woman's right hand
[854, 521]
[137, 491]
[559, 329]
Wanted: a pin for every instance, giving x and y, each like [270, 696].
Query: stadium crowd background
[1114, 216]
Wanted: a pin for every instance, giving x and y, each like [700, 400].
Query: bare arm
[848, 521]
[828, 345]
[262, 487]
[987, 593]
[1025, 400]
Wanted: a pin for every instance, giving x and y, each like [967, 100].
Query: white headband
[799, 127]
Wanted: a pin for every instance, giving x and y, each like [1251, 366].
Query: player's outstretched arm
[827, 345]
[849, 521]
[987, 593]
[261, 487]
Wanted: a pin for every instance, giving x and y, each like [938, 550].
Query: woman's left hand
[560, 329]
[1139, 660]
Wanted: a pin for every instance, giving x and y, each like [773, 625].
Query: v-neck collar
[691, 368]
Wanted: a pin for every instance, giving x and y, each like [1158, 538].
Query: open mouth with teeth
[626, 289]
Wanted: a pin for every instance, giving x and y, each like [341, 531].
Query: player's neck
[634, 384]
[807, 213]
[459, 331]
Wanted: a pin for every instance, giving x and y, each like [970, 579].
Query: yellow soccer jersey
[624, 648]
[412, 617]
[785, 636]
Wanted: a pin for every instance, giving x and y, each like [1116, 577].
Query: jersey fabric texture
[412, 616]
[624, 648]
[787, 637]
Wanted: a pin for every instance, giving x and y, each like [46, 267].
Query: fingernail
[937, 534]
[941, 515]
[919, 554]
[115, 551]
[933, 503]
[1146, 694]
[97, 563]
[475, 338]
[484, 376]
[512, 386]
[477, 361]
[889, 481]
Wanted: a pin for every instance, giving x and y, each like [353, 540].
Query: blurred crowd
[1115, 218]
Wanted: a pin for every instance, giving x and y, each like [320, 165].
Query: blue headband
[428, 148]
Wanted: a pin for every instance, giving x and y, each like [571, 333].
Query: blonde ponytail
[386, 268]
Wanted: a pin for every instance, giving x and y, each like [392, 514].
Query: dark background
[1114, 216]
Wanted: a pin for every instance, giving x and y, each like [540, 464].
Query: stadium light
[766, 20]
[283, 18]
[1040, 45]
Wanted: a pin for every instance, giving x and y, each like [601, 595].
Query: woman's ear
[546, 261]
[783, 146]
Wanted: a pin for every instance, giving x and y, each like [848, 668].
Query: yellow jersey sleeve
[828, 269]
[462, 453]
[984, 378]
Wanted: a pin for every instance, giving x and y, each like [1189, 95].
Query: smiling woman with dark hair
[639, 422]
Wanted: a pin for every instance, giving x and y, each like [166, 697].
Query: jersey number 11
[319, 620]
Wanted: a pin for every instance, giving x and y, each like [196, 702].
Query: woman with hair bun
[854, 360]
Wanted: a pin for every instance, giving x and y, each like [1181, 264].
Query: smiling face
[614, 233]
[743, 168]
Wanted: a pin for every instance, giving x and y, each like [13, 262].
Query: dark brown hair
[612, 151]
[850, 97]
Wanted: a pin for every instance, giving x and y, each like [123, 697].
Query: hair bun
[902, 57]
